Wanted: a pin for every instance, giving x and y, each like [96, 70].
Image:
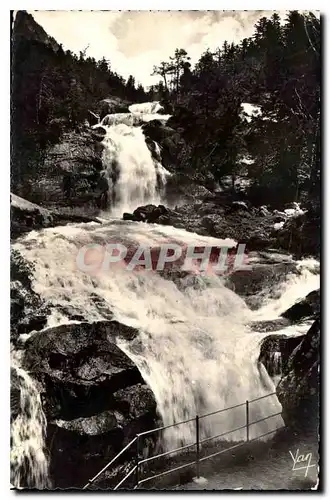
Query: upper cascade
[133, 176]
[146, 107]
[131, 119]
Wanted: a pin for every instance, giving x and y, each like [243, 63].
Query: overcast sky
[133, 41]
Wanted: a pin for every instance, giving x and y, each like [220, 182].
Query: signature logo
[303, 461]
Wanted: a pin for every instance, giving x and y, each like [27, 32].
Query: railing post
[137, 472]
[247, 420]
[197, 446]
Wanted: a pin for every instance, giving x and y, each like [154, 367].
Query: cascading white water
[296, 286]
[146, 107]
[135, 177]
[195, 347]
[29, 463]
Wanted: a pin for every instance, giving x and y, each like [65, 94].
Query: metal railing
[197, 444]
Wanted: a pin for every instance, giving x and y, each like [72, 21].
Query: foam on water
[195, 348]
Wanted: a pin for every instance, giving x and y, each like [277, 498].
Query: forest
[278, 70]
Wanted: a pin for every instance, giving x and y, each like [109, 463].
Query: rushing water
[195, 347]
[135, 177]
[29, 463]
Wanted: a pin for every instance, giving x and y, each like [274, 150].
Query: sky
[135, 41]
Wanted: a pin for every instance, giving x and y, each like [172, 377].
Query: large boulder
[308, 307]
[275, 351]
[26, 216]
[112, 105]
[298, 389]
[254, 285]
[147, 213]
[94, 397]
[301, 234]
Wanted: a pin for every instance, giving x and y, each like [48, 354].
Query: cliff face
[298, 389]
[24, 26]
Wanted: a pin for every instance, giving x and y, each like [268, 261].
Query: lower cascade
[195, 348]
[29, 463]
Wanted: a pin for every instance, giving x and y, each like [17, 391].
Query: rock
[112, 105]
[94, 397]
[301, 235]
[71, 352]
[70, 172]
[98, 133]
[128, 216]
[298, 389]
[209, 222]
[157, 131]
[142, 213]
[276, 350]
[26, 216]
[135, 401]
[28, 311]
[239, 205]
[169, 140]
[251, 285]
[62, 217]
[270, 326]
[305, 308]
[91, 426]
[147, 213]
[258, 240]
[263, 210]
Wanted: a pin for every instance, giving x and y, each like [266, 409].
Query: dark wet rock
[112, 105]
[94, 397]
[275, 350]
[157, 131]
[98, 133]
[147, 213]
[169, 140]
[62, 217]
[28, 311]
[213, 215]
[239, 205]
[298, 389]
[83, 351]
[253, 285]
[26, 216]
[69, 174]
[154, 149]
[307, 308]
[301, 234]
[94, 425]
[129, 216]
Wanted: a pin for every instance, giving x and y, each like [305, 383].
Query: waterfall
[195, 348]
[135, 178]
[146, 107]
[29, 463]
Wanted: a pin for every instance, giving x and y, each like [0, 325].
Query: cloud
[135, 41]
